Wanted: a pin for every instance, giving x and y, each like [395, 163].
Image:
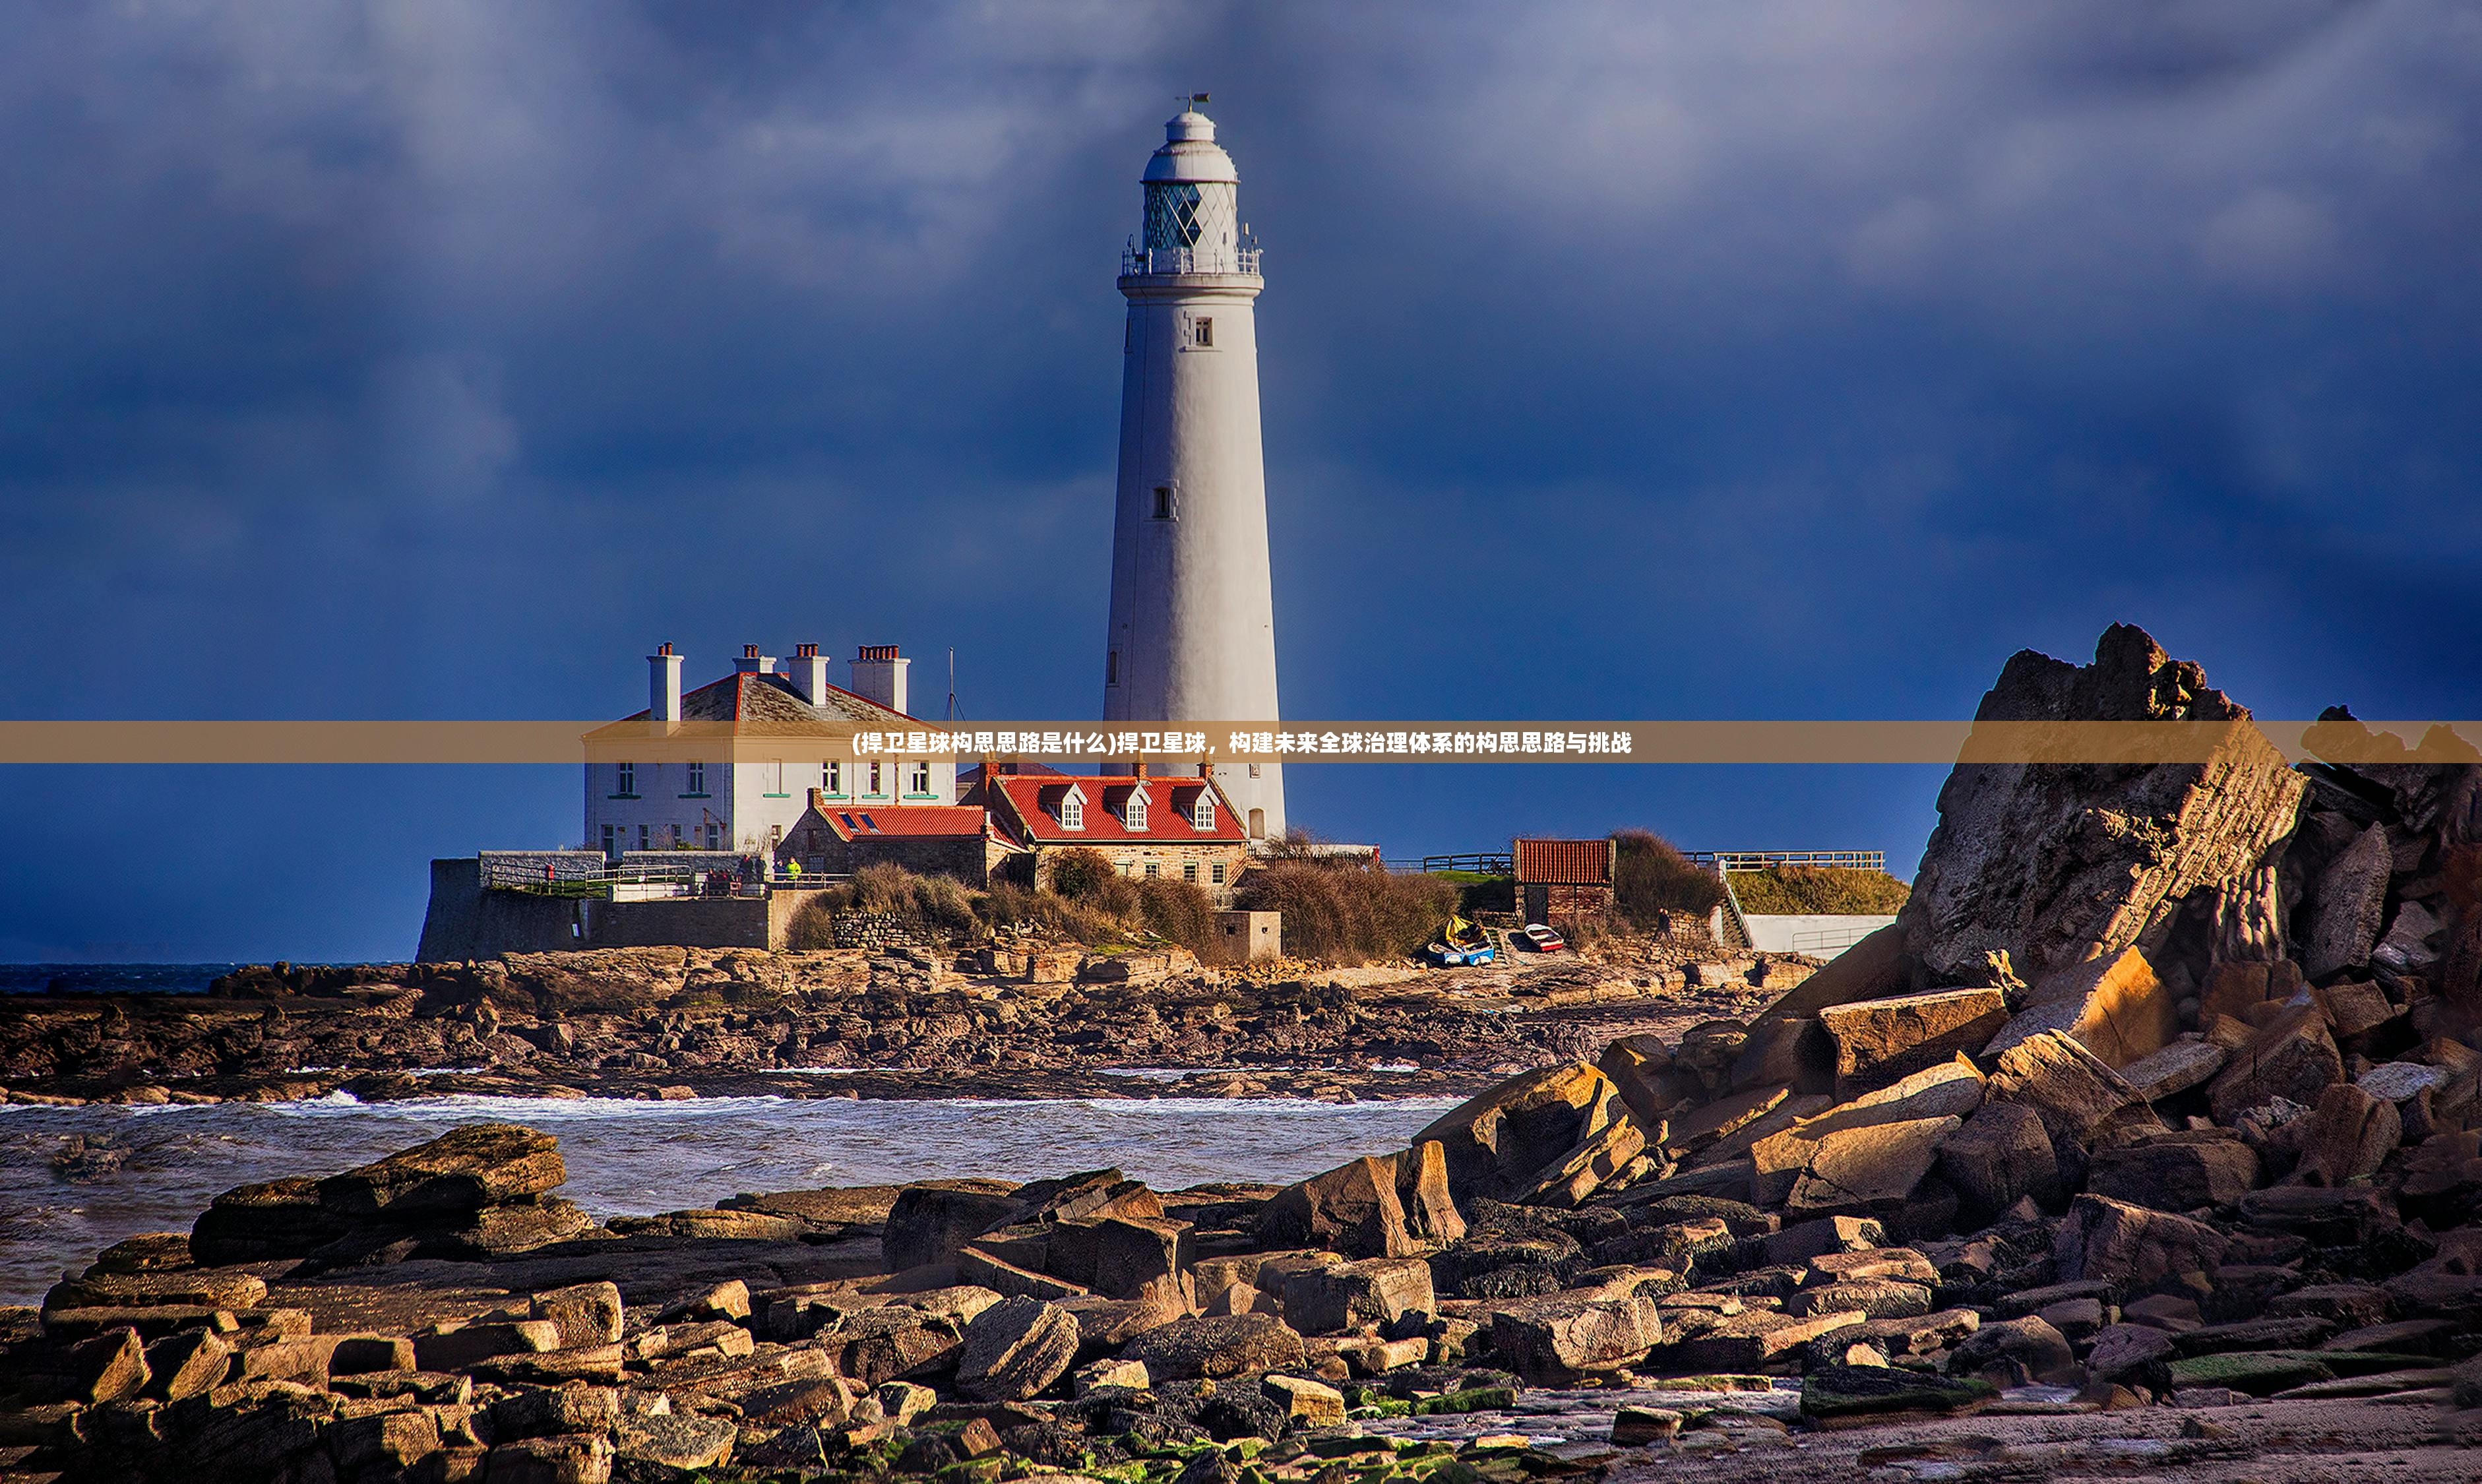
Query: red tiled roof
[1034, 804]
[906, 819]
[1563, 862]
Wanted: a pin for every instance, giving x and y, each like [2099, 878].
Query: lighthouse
[1193, 626]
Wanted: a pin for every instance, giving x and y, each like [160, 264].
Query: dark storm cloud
[1763, 359]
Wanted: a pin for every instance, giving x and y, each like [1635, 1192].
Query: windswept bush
[1087, 877]
[938, 908]
[1179, 911]
[1348, 911]
[1650, 877]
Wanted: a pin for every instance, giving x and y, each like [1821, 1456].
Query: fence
[633, 882]
[1480, 863]
[1760, 859]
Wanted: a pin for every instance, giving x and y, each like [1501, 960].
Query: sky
[435, 360]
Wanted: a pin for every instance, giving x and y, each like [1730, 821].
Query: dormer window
[1134, 813]
[1202, 815]
[1072, 810]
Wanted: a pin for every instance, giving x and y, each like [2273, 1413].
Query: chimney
[752, 662]
[810, 671]
[664, 685]
[879, 675]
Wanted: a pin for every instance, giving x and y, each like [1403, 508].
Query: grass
[1804, 890]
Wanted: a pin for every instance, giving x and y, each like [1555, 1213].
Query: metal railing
[1138, 262]
[1837, 938]
[1479, 863]
[1760, 859]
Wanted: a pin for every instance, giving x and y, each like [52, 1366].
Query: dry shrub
[1009, 904]
[938, 908]
[1350, 911]
[1650, 877]
[1177, 910]
[1088, 878]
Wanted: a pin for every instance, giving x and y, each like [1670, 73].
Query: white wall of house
[1820, 936]
[750, 805]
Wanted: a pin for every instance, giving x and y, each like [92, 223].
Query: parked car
[1543, 939]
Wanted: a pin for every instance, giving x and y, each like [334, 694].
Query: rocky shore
[915, 1022]
[2149, 1140]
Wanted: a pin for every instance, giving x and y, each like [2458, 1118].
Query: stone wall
[463, 921]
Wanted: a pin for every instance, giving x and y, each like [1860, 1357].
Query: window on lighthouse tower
[1163, 502]
[1203, 334]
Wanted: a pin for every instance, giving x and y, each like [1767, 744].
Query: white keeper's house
[731, 765]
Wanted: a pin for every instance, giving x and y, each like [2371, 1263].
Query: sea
[110, 978]
[74, 1180]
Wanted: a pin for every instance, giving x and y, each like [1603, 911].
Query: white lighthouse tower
[1193, 635]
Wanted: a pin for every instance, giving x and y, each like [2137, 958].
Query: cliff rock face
[2055, 863]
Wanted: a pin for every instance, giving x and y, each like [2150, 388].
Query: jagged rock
[2175, 1172]
[1578, 1173]
[185, 1364]
[675, 1440]
[459, 1344]
[2113, 1006]
[196, 1288]
[2248, 919]
[2001, 1155]
[2081, 1101]
[1329, 1300]
[1306, 1402]
[1215, 1348]
[464, 1170]
[2292, 1058]
[932, 1221]
[549, 1411]
[1858, 1171]
[1124, 1257]
[370, 1447]
[1873, 968]
[564, 1460]
[2407, 943]
[1015, 1349]
[2030, 1343]
[2101, 1237]
[100, 1368]
[2346, 1135]
[886, 1344]
[2056, 864]
[1499, 1142]
[2353, 1007]
[1555, 1339]
[1816, 1238]
[2175, 1069]
[1777, 1160]
[2351, 904]
[1878, 1041]
[2128, 1353]
[1747, 1343]
[1422, 1193]
[1352, 1209]
[1872, 1298]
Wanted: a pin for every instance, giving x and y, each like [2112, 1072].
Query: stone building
[1561, 881]
[1180, 827]
[835, 838]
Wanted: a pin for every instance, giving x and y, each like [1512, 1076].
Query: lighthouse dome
[1190, 154]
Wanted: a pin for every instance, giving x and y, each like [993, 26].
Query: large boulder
[2130, 1245]
[1015, 1349]
[2001, 1155]
[2352, 898]
[932, 1222]
[2175, 1172]
[1422, 1193]
[1352, 1209]
[2346, 1135]
[2114, 1007]
[1215, 1349]
[1778, 1159]
[2082, 1103]
[1555, 1339]
[1878, 1041]
[1870, 1169]
[2292, 1056]
[464, 1170]
[2055, 863]
[1499, 1142]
